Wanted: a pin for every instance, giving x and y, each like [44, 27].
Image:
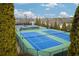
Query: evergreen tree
[7, 30]
[36, 21]
[51, 26]
[58, 27]
[39, 22]
[43, 24]
[47, 23]
[64, 27]
[55, 25]
[74, 35]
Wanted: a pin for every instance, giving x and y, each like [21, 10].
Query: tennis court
[62, 35]
[39, 41]
[42, 41]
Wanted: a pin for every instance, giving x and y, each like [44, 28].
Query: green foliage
[43, 24]
[64, 27]
[58, 27]
[74, 35]
[51, 26]
[68, 28]
[55, 25]
[47, 23]
[39, 22]
[36, 21]
[7, 30]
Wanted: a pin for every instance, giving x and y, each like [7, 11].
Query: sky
[47, 10]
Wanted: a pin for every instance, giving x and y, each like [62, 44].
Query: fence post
[37, 52]
[62, 51]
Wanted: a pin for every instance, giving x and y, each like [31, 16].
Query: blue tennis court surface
[30, 34]
[59, 34]
[39, 41]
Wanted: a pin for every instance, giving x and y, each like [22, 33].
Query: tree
[25, 19]
[47, 23]
[55, 25]
[7, 30]
[68, 27]
[51, 26]
[36, 21]
[64, 27]
[43, 24]
[39, 22]
[74, 35]
[58, 27]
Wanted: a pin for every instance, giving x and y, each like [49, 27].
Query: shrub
[74, 35]
[7, 30]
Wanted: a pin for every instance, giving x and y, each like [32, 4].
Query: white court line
[42, 41]
[37, 42]
[34, 44]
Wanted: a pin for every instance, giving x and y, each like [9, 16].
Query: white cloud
[22, 14]
[47, 9]
[18, 13]
[64, 14]
[49, 4]
[29, 14]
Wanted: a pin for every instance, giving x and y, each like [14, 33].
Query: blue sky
[48, 10]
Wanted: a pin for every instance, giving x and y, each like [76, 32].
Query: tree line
[56, 25]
